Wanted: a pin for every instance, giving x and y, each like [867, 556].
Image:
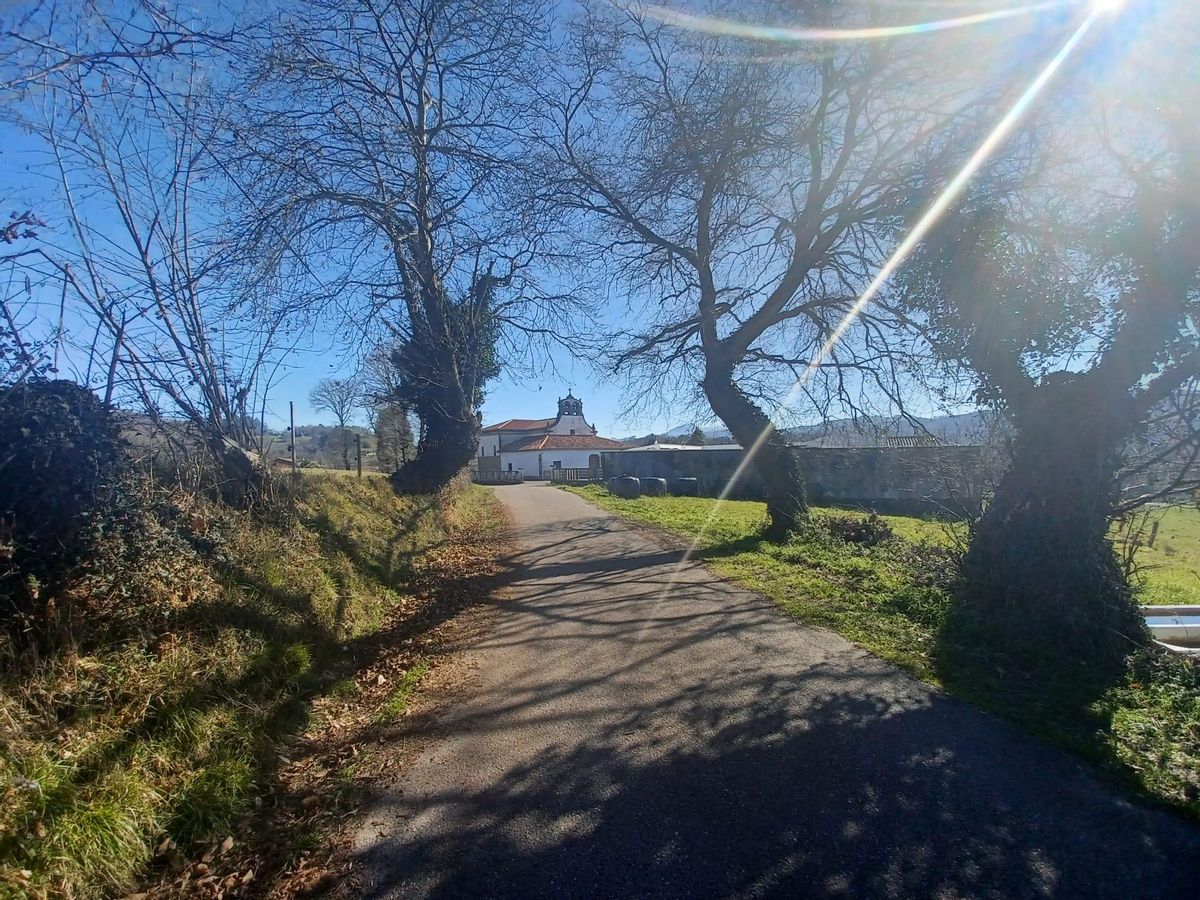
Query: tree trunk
[239, 471]
[1041, 576]
[787, 500]
[449, 439]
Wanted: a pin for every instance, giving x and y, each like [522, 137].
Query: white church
[535, 446]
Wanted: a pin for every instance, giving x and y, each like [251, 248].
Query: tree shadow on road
[742, 777]
[859, 797]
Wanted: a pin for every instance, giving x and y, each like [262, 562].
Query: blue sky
[516, 394]
[511, 396]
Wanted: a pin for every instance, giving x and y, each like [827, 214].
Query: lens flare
[919, 230]
[732, 28]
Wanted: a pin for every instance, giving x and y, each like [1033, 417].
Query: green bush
[867, 532]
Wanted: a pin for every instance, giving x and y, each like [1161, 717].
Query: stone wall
[886, 479]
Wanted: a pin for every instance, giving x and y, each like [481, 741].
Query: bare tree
[748, 193]
[1161, 463]
[21, 356]
[173, 322]
[393, 436]
[389, 418]
[378, 376]
[46, 39]
[40, 44]
[389, 135]
[341, 397]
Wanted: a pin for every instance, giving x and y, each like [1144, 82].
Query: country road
[619, 741]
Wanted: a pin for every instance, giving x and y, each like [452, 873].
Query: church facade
[535, 446]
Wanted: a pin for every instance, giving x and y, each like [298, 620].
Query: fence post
[358, 451]
[292, 432]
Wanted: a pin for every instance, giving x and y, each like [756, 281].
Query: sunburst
[949, 194]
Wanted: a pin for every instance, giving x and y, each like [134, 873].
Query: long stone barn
[905, 477]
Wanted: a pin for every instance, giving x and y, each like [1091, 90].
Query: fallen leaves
[295, 840]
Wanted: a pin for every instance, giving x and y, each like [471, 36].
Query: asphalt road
[624, 741]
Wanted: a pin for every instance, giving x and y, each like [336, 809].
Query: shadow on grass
[1051, 696]
[302, 655]
[404, 547]
[748, 544]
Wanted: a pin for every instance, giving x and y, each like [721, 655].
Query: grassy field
[136, 759]
[891, 598]
[1169, 571]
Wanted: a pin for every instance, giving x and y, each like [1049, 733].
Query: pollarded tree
[341, 397]
[387, 137]
[747, 191]
[1077, 312]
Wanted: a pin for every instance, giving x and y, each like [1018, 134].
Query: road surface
[622, 741]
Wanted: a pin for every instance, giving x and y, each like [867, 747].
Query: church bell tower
[570, 417]
[570, 406]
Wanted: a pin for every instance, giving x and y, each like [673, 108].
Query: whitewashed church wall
[571, 425]
[527, 460]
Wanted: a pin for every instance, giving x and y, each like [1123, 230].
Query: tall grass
[172, 734]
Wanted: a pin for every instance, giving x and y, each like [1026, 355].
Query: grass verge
[891, 599]
[179, 755]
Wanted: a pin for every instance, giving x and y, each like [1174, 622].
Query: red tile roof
[520, 424]
[564, 442]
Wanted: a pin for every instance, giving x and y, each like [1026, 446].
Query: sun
[1107, 6]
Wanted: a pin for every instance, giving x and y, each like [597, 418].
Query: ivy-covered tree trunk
[1041, 574]
[787, 500]
[449, 439]
[442, 370]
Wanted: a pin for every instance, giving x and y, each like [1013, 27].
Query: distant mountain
[714, 433]
[683, 431]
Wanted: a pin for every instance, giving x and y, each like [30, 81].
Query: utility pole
[292, 432]
[358, 451]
